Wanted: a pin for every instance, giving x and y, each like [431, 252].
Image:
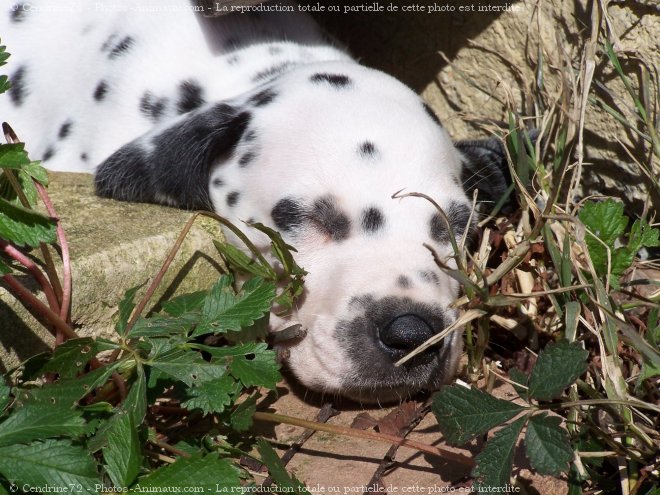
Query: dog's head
[318, 153]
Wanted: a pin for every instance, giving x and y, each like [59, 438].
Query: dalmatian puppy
[261, 118]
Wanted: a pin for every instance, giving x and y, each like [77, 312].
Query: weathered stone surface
[492, 55]
[114, 246]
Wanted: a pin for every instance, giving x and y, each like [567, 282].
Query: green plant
[567, 273]
[98, 414]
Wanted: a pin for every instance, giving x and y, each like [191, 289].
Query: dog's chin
[382, 395]
[401, 386]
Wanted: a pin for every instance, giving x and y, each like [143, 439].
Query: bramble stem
[371, 435]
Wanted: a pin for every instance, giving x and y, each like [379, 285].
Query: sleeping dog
[261, 117]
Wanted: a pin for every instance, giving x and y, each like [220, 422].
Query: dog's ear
[485, 168]
[172, 164]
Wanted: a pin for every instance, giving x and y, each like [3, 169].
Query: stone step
[114, 246]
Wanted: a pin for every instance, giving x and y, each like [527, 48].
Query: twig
[388, 459]
[161, 273]
[370, 435]
[325, 413]
[169, 448]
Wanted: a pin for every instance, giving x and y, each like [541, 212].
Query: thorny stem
[65, 302]
[34, 270]
[12, 138]
[34, 304]
[371, 435]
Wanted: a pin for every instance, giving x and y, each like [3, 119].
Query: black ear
[172, 165]
[485, 168]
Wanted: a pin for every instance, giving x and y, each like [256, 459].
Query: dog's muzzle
[385, 331]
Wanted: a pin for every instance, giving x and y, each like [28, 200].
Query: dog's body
[260, 118]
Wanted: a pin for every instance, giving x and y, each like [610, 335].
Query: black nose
[405, 332]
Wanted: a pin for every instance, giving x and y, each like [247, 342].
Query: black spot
[101, 91]
[330, 219]
[151, 106]
[245, 160]
[335, 80]
[432, 114]
[263, 98]
[288, 215]
[403, 282]
[84, 157]
[429, 276]
[458, 215]
[190, 96]
[65, 130]
[17, 90]
[367, 149]
[271, 72]
[121, 48]
[250, 135]
[275, 50]
[218, 182]
[18, 12]
[372, 219]
[232, 198]
[198, 140]
[48, 154]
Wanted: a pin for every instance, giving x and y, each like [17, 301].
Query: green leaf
[126, 307]
[37, 172]
[256, 366]
[13, 156]
[208, 474]
[642, 235]
[188, 367]
[240, 261]
[52, 464]
[5, 398]
[495, 461]
[607, 223]
[212, 396]
[252, 363]
[123, 454]
[29, 189]
[23, 226]
[281, 250]
[559, 364]
[38, 422]
[185, 303]
[4, 86]
[276, 469]
[464, 413]
[163, 325]
[605, 219]
[241, 416]
[225, 311]
[70, 357]
[136, 399]
[66, 392]
[519, 378]
[547, 445]
[135, 405]
[4, 268]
